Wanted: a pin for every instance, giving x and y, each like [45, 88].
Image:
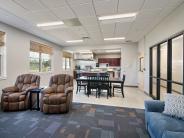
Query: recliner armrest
[154, 106]
[10, 89]
[47, 90]
[172, 134]
[68, 90]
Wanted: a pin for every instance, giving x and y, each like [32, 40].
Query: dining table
[110, 81]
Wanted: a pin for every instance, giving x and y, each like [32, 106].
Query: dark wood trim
[169, 66]
[183, 62]
[158, 73]
[150, 72]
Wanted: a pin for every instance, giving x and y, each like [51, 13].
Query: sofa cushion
[159, 123]
[174, 105]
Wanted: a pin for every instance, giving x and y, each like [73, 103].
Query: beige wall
[172, 24]
[17, 56]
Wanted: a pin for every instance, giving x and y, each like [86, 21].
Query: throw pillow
[174, 105]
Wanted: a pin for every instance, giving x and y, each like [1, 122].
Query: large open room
[91, 68]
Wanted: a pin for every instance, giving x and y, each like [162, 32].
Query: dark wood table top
[111, 80]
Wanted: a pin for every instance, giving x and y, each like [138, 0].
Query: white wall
[172, 24]
[128, 59]
[129, 64]
[17, 54]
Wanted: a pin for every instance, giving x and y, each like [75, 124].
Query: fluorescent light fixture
[112, 51]
[74, 41]
[117, 16]
[114, 38]
[86, 52]
[49, 24]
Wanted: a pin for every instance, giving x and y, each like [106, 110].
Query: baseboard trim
[131, 86]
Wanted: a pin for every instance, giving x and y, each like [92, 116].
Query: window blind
[67, 54]
[41, 48]
[2, 35]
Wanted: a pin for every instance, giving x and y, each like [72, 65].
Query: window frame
[65, 63]
[40, 70]
[3, 74]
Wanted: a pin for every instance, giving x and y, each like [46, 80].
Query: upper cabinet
[110, 61]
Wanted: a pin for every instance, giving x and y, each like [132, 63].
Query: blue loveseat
[159, 125]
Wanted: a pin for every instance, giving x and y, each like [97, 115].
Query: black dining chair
[92, 84]
[120, 87]
[103, 84]
[80, 85]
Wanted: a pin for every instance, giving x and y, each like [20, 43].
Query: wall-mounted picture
[141, 64]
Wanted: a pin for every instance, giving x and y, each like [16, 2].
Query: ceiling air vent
[72, 22]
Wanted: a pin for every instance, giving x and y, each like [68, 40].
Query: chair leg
[113, 91]
[122, 92]
[77, 89]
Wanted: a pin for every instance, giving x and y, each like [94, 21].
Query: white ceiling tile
[41, 16]
[122, 29]
[63, 12]
[54, 3]
[127, 6]
[78, 2]
[108, 30]
[155, 4]
[12, 7]
[148, 14]
[63, 34]
[105, 7]
[174, 3]
[31, 5]
[84, 10]
[88, 21]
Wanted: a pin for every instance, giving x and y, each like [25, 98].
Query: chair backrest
[27, 80]
[92, 83]
[60, 82]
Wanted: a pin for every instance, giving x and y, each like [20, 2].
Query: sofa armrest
[10, 89]
[172, 134]
[68, 90]
[154, 106]
[47, 90]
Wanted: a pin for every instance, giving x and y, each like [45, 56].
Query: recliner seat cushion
[166, 123]
[16, 97]
[55, 99]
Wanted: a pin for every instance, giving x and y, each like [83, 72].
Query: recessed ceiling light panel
[50, 24]
[74, 41]
[114, 38]
[117, 16]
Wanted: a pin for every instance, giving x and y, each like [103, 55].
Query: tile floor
[134, 98]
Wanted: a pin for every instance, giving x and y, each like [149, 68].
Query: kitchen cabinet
[110, 61]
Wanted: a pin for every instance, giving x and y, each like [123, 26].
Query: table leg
[38, 108]
[110, 89]
[30, 101]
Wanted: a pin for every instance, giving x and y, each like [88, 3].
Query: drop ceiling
[25, 14]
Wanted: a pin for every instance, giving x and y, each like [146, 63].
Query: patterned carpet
[83, 121]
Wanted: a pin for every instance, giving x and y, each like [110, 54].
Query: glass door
[166, 67]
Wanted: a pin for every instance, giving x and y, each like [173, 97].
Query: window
[67, 60]
[40, 57]
[66, 63]
[2, 54]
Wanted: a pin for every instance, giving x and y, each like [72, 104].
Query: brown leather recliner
[16, 97]
[57, 98]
